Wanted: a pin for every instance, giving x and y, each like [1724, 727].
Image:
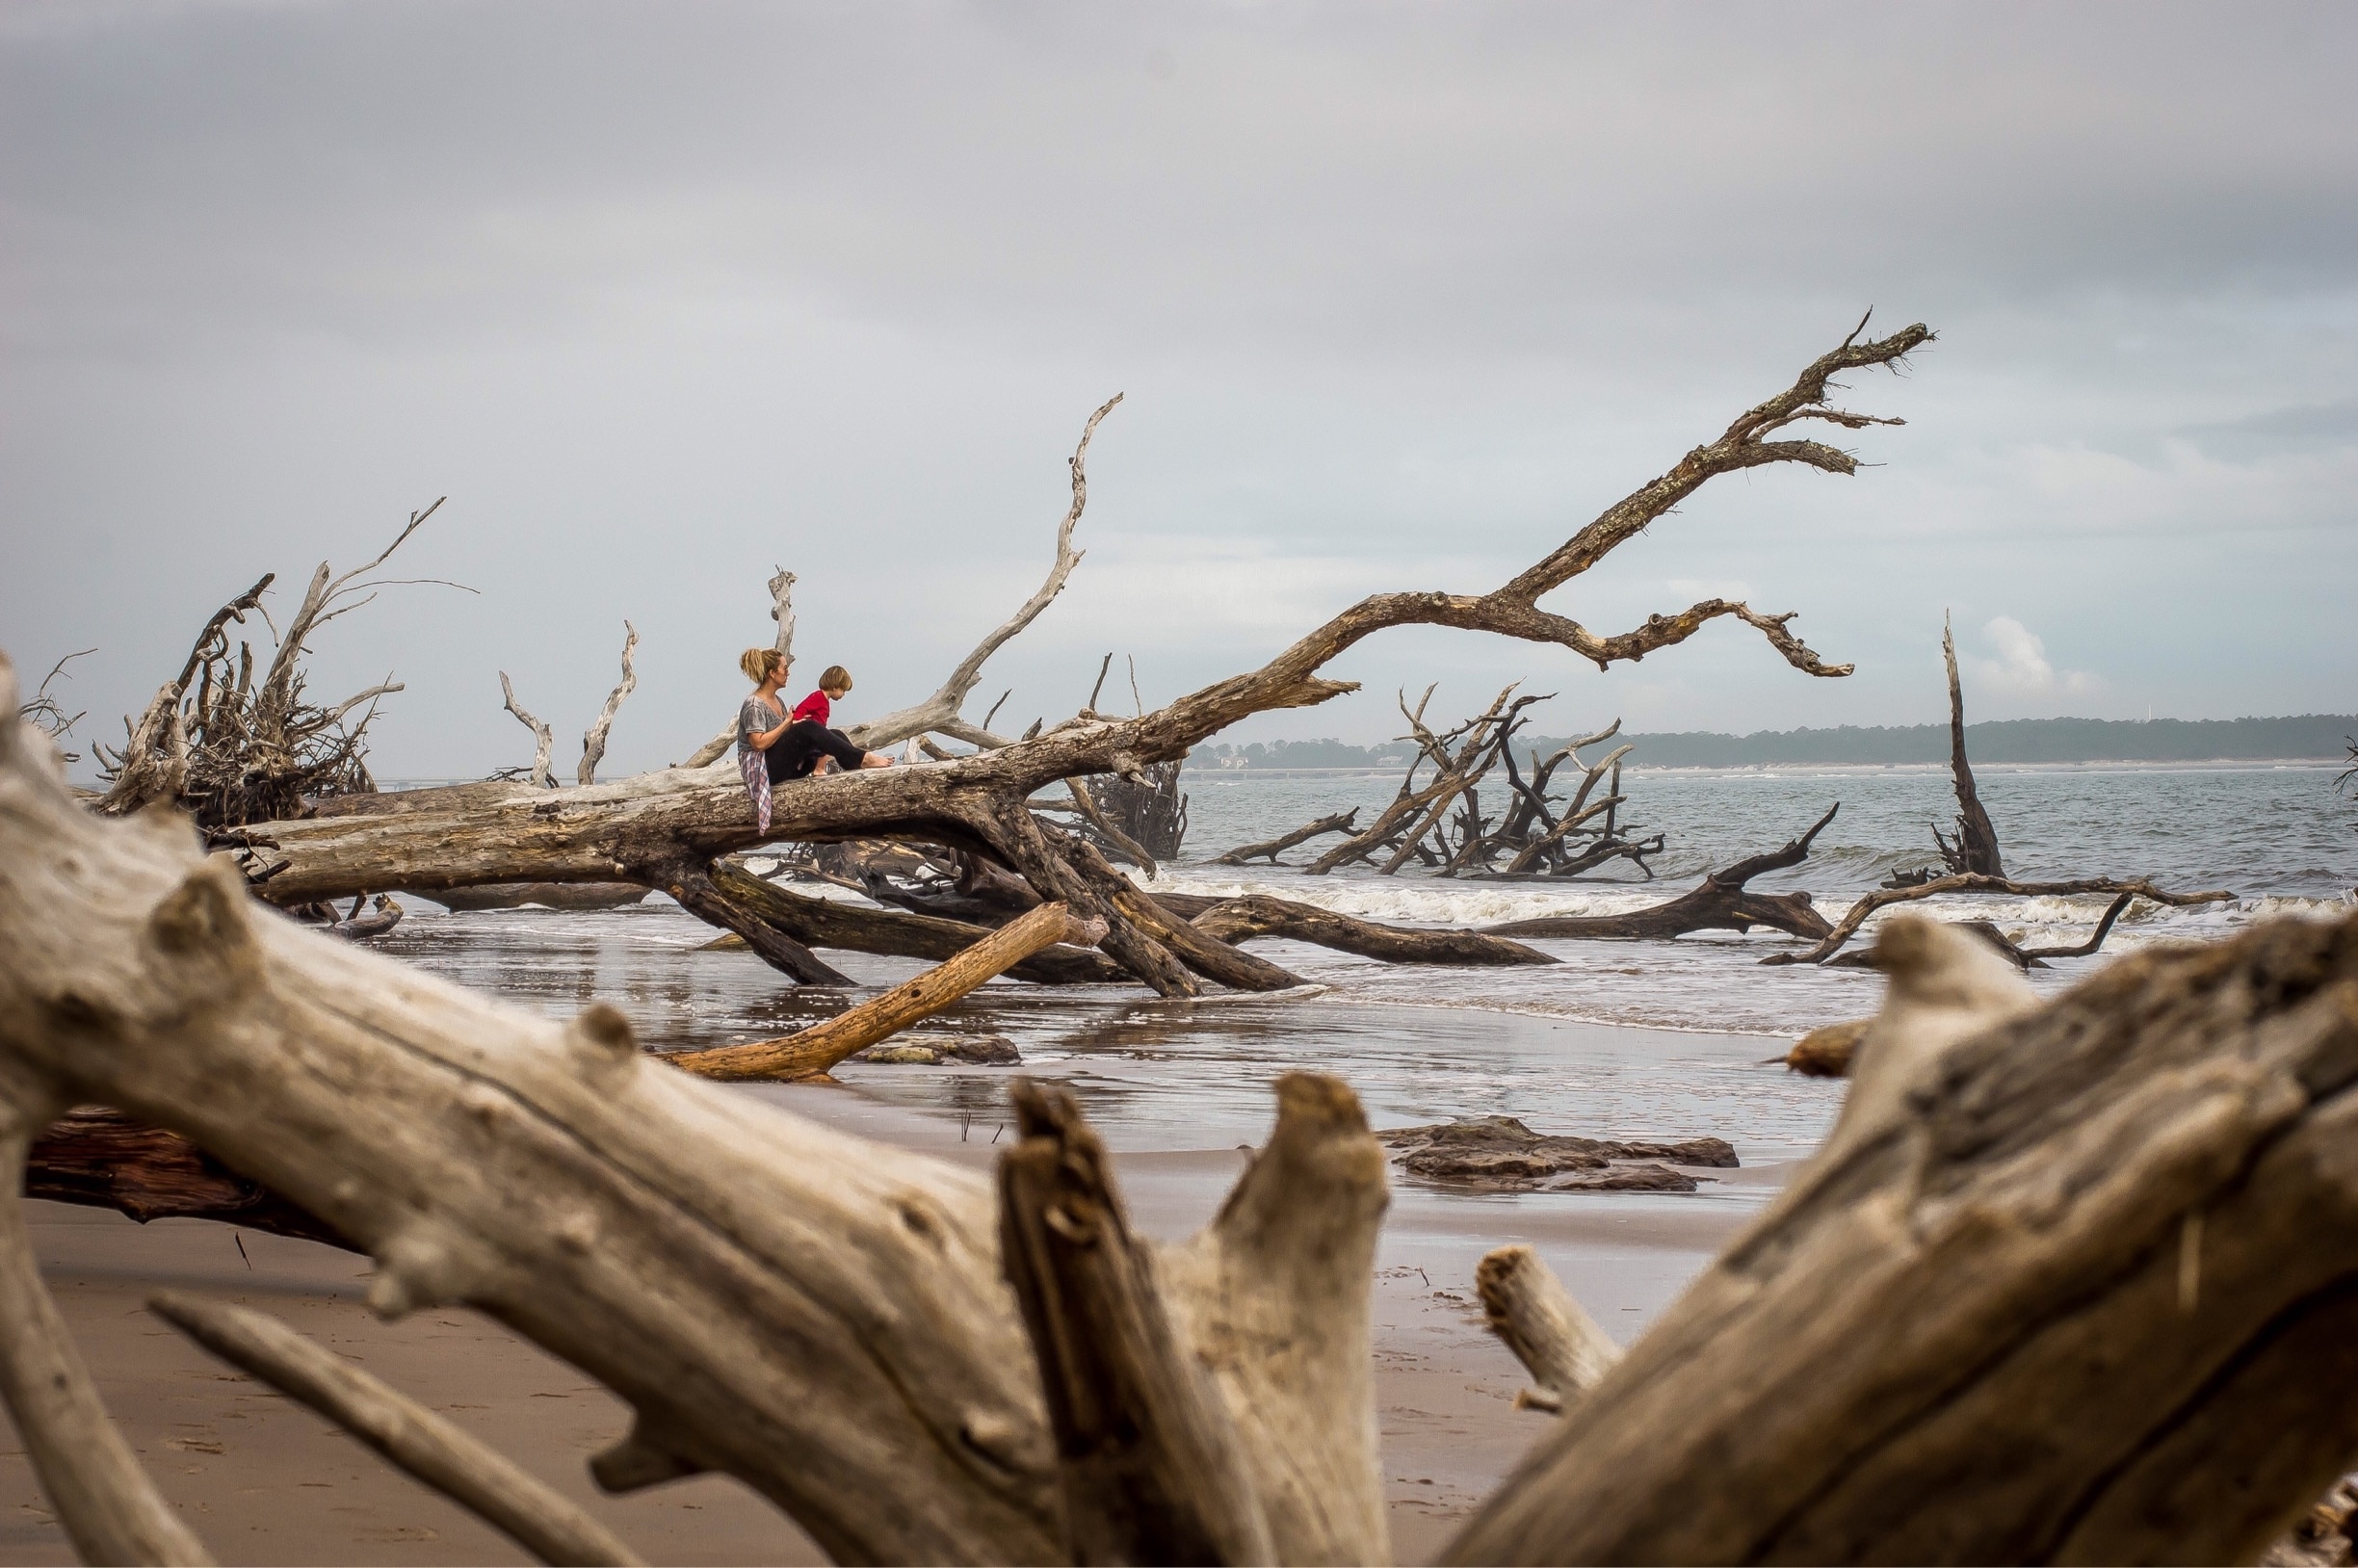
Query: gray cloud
[664, 296]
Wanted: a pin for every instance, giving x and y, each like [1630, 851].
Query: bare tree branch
[545, 739]
[470, 1472]
[593, 743]
[942, 707]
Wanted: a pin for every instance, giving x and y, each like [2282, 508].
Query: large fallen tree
[2071, 1281]
[664, 830]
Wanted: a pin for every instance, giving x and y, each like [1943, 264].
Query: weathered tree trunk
[830, 924]
[545, 739]
[1717, 902]
[1240, 920]
[593, 741]
[2072, 1283]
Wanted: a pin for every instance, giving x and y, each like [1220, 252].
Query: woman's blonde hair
[834, 678]
[759, 664]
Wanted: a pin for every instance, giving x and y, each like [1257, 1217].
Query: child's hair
[834, 678]
[759, 664]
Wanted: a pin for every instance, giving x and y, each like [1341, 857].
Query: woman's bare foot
[876, 759]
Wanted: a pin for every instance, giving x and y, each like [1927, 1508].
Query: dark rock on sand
[1500, 1154]
[933, 1050]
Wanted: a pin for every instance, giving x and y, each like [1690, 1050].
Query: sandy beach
[264, 1480]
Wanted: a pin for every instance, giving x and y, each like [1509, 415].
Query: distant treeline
[2320, 736]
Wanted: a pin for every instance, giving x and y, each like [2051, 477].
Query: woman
[761, 719]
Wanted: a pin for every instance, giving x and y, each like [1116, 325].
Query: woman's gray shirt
[755, 717]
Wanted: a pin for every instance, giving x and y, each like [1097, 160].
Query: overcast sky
[665, 297]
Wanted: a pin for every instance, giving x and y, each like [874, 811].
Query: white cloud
[2022, 666]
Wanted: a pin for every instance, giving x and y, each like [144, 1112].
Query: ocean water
[2276, 836]
[1656, 1039]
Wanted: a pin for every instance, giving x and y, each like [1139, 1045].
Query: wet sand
[264, 1480]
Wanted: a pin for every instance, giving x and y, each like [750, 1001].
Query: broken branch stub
[1532, 1313]
[1150, 1466]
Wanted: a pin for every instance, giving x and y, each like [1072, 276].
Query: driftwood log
[2073, 1280]
[1341, 822]
[811, 1052]
[1721, 901]
[1240, 920]
[104, 1160]
[831, 923]
[1243, 918]
[663, 829]
[1833, 937]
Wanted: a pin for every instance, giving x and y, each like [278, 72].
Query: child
[808, 743]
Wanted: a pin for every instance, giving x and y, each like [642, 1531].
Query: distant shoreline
[2303, 738]
[1196, 772]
